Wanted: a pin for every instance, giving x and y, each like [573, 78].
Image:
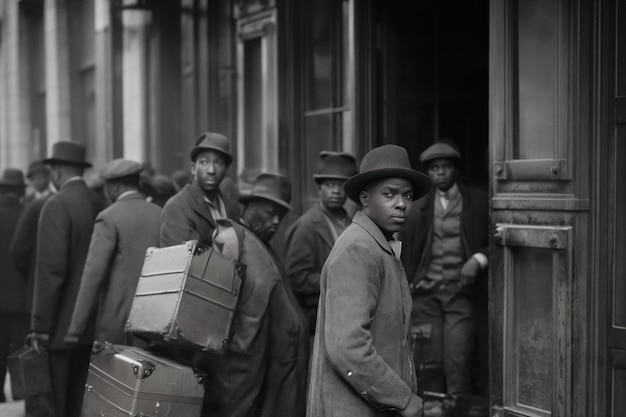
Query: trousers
[449, 309]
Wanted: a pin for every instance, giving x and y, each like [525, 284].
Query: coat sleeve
[176, 228]
[95, 274]
[51, 265]
[352, 288]
[300, 260]
[23, 243]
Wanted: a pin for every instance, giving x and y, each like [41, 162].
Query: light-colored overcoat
[121, 235]
[362, 365]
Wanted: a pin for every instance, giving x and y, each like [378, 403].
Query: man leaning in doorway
[445, 252]
[192, 213]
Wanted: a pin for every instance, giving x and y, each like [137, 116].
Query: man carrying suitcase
[65, 227]
[264, 370]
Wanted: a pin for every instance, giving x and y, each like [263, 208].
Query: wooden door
[540, 130]
[614, 221]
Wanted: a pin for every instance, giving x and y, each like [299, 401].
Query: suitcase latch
[143, 369]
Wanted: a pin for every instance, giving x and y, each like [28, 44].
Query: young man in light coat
[362, 364]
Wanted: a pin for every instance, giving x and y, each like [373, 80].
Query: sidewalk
[11, 408]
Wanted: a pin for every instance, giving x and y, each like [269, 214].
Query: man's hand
[71, 339]
[38, 341]
[415, 408]
[469, 271]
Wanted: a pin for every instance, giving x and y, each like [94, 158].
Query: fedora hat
[387, 161]
[272, 187]
[210, 141]
[12, 177]
[439, 150]
[335, 166]
[35, 167]
[67, 153]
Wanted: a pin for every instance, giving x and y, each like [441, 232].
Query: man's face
[443, 173]
[55, 176]
[266, 218]
[332, 194]
[387, 203]
[209, 170]
[39, 181]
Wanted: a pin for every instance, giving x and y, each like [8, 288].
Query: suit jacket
[64, 232]
[308, 242]
[186, 216]
[121, 235]
[24, 245]
[417, 235]
[362, 365]
[13, 289]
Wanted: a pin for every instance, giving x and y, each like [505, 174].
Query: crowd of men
[324, 332]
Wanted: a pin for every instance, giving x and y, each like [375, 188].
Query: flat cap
[439, 150]
[120, 168]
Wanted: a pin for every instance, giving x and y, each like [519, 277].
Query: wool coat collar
[373, 230]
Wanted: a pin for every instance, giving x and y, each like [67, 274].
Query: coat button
[349, 373]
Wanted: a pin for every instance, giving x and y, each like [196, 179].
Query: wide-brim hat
[67, 153]
[387, 161]
[335, 166]
[12, 177]
[210, 141]
[35, 167]
[272, 187]
[439, 150]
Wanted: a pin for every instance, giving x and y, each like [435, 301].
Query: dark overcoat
[64, 232]
[121, 235]
[417, 235]
[264, 371]
[24, 245]
[186, 216]
[362, 364]
[13, 288]
[308, 242]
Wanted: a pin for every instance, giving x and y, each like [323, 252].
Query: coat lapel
[198, 204]
[322, 227]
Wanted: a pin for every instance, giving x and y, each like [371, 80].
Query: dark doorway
[434, 74]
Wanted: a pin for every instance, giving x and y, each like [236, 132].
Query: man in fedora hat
[264, 371]
[311, 237]
[65, 226]
[39, 177]
[445, 248]
[361, 363]
[192, 213]
[13, 289]
[121, 235]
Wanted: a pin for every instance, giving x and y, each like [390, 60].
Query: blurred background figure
[96, 184]
[159, 189]
[13, 303]
[39, 177]
[181, 178]
[60, 261]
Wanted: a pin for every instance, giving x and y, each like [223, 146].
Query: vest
[446, 251]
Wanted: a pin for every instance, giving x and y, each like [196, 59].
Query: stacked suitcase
[185, 299]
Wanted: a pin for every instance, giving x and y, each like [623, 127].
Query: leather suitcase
[186, 298]
[29, 372]
[130, 381]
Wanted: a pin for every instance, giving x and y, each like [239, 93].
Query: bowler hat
[120, 168]
[272, 187]
[439, 150]
[67, 153]
[210, 141]
[387, 161]
[36, 166]
[12, 177]
[335, 166]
